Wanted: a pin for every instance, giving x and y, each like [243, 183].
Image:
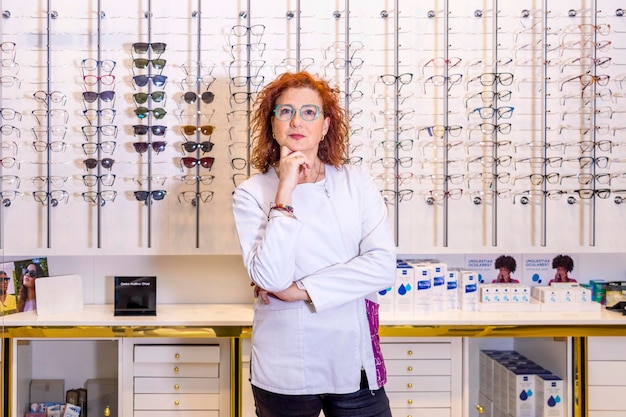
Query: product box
[423, 289]
[439, 271]
[486, 365]
[598, 290]
[549, 395]
[488, 293]
[386, 300]
[521, 390]
[486, 404]
[451, 295]
[519, 293]
[404, 293]
[582, 295]
[547, 294]
[468, 291]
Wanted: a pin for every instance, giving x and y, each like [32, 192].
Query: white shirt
[341, 248]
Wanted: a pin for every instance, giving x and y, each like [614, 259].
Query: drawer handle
[480, 409]
[409, 352]
[176, 402]
[409, 385]
[176, 387]
[410, 369]
[177, 356]
[410, 401]
[107, 411]
[176, 369]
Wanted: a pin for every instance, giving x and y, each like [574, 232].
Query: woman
[8, 302]
[505, 265]
[27, 299]
[318, 247]
[564, 264]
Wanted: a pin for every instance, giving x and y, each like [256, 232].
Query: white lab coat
[341, 248]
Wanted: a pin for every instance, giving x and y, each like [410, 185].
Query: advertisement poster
[538, 270]
[25, 273]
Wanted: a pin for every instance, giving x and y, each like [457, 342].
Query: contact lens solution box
[439, 272]
[385, 298]
[521, 390]
[549, 390]
[468, 291]
[423, 289]
[451, 297]
[404, 293]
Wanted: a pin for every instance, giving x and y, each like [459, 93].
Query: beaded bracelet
[280, 206]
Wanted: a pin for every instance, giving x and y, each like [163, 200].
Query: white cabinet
[180, 380]
[424, 376]
[606, 369]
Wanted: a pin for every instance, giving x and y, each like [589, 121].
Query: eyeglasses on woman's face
[308, 112]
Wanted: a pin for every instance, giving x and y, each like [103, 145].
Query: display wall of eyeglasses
[485, 124]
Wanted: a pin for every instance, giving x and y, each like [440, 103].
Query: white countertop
[225, 315]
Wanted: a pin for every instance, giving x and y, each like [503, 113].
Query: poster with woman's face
[8, 299]
[26, 272]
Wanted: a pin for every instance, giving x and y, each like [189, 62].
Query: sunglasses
[157, 130]
[157, 80]
[142, 147]
[154, 194]
[92, 96]
[190, 97]
[205, 146]
[28, 272]
[205, 130]
[143, 47]
[157, 97]
[92, 163]
[143, 112]
[143, 63]
[189, 162]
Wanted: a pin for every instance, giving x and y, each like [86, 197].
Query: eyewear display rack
[489, 125]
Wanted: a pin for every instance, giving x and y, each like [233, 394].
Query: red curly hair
[266, 151]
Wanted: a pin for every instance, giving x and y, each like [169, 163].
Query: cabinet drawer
[187, 370]
[418, 367]
[183, 413]
[177, 385]
[419, 399]
[606, 348]
[420, 412]
[177, 401]
[416, 350]
[177, 353]
[606, 373]
[607, 399]
[418, 383]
